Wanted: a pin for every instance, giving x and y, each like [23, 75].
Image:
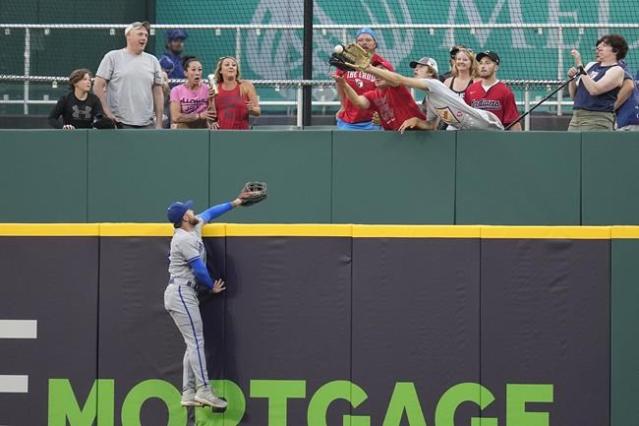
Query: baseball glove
[352, 58]
[253, 193]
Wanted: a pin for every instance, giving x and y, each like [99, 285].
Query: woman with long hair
[235, 99]
[464, 72]
[190, 101]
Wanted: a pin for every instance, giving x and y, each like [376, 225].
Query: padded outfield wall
[326, 325]
[532, 178]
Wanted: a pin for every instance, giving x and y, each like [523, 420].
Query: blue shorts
[364, 125]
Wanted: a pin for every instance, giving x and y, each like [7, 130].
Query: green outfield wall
[533, 178]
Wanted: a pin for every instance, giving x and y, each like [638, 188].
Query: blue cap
[177, 34]
[177, 210]
[368, 31]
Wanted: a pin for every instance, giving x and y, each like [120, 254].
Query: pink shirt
[191, 101]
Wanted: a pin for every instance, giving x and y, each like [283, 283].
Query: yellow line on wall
[49, 229]
[322, 230]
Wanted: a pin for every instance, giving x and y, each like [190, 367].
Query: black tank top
[461, 93]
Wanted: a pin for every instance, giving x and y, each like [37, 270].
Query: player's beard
[194, 220]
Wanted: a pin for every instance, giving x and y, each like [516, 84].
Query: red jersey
[232, 110]
[395, 105]
[498, 99]
[361, 82]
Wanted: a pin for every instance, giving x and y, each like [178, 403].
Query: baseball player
[188, 277]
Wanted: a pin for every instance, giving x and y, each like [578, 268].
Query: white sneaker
[188, 399]
[205, 397]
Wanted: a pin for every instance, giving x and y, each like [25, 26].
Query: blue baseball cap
[367, 30]
[177, 34]
[177, 210]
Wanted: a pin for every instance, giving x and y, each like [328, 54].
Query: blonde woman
[464, 72]
[234, 99]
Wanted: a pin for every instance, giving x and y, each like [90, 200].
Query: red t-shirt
[499, 100]
[395, 105]
[361, 82]
[232, 110]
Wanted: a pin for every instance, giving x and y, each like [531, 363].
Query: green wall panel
[625, 345]
[384, 177]
[43, 176]
[610, 178]
[135, 174]
[295, 164]
[530, 178]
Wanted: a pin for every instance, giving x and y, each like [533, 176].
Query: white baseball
[338, 49]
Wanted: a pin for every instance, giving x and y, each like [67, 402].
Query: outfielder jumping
[189, 277]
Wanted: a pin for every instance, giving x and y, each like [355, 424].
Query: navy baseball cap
[176, 211]
[177, 34]
[493, 56]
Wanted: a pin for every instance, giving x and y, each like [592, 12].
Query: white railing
[27, 78]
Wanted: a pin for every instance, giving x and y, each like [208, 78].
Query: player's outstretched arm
[397, 79]
[218, 210]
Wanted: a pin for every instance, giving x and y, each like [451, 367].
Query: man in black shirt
[79, 107]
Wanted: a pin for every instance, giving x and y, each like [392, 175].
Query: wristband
[581, 70]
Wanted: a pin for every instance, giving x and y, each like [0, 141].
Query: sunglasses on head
[455, 50]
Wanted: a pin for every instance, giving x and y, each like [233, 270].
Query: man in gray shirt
[129, 82]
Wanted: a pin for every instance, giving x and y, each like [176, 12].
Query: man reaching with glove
[393, 102]
[443, 101]
[188, 275]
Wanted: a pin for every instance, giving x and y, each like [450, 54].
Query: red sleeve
[510, 107]
[371, 95]
[339, 72]
[467, 98]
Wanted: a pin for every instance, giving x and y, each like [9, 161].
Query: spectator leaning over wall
[597, 85]
[129, 82]
[79, 107]
[627, 104]
[423, 68]
[349, 116]
[392, 101]
[490, 94]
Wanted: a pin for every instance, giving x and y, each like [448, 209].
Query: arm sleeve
[175, 96]
[510, 109]
[201, 273]
[215, 211]
[157, 71]
[55, 114]
[166, 63]
[97, 106]
[105, 70]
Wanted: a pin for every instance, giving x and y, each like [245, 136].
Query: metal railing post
[560, 67]
[238, 43]
[27, 68]
[300, 106]
[526, 107]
